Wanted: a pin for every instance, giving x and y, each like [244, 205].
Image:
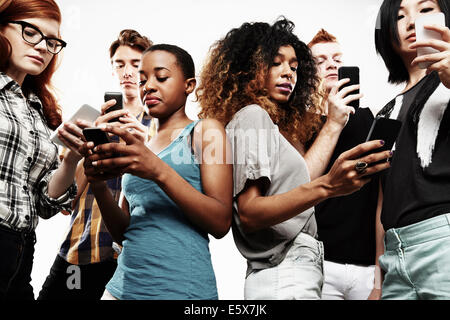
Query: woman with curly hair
[260, 81]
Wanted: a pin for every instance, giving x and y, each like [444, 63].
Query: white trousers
[347, 281]
[298, 277]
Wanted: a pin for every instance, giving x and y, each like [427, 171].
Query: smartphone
[85, 112]
[423, 34]
[119, 103]
[353, 74]
[96, 135]
[384, 129]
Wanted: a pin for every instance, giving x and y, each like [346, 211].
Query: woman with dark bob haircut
[416, 205]
[260, 81]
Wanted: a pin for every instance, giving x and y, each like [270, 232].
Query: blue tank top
[164, 255]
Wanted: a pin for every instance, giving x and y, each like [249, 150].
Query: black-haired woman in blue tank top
[177, 189]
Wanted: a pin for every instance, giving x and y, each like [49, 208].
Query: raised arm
[319, 154]
[210, 210]
[257, 211]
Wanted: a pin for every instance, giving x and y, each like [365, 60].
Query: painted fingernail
[391, 153]
[382, 142]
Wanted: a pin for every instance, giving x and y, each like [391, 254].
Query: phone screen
[353, 74]
[423, 34]
[119, 103]
[384, 129]
[96, 135]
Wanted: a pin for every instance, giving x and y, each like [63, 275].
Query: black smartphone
[119, 103]
[96, 135]
[353, 74]
[384, 129]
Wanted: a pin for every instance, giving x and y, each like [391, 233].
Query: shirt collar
[6, 82]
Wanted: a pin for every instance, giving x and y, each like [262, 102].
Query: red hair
[322, 36]
[11, 10]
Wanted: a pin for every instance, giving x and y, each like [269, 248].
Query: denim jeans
[16, 262]
[92, 282]
[417, 261]
[298, 277]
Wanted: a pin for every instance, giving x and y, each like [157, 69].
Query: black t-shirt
[346, 225]
[413, 192]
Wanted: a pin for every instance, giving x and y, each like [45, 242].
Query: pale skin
[328, 56]
[408, 13]
[27, 59]
[163, 87]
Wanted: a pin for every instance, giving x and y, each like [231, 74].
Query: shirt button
[31, 132]
[29, 159]
[27, 217]
[25, 188]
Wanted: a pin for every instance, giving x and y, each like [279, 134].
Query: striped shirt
[87, 240]
[28, 160]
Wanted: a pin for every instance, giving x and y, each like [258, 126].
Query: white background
[89, 27]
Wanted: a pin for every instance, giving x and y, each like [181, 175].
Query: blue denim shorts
[298, 277]
[417, 260]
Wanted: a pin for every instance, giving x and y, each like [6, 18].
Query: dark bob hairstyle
[386, 33]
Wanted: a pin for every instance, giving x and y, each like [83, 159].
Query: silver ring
[361, 166]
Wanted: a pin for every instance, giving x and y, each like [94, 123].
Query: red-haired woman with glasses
[33, 182]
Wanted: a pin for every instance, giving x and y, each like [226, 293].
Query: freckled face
[328, 57]
[26, 58]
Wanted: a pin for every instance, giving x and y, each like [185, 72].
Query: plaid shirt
[27, 161]
[88, 240]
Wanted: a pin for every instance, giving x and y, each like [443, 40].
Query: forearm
[64, 176]
[264, 211]
[319, 154]
[116, 221]
[208, 213]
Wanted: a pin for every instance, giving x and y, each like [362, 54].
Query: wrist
[72, 158]
[162, 174]
[333, 127]
[98, 185]
[324, 187]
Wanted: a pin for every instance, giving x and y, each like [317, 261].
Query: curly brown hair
[235, 73]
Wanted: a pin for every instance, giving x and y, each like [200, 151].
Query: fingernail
[391, 153]
[102, 126]
[382, 142]
[94, 164]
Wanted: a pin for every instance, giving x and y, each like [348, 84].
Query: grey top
[260, 150]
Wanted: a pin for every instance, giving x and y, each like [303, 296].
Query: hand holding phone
[96, 135]
[423, 34]
[384, 129]
[353, 74]
[85, 112]
[119, 103]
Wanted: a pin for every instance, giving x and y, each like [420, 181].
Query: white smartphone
[85, 112]
[424, 34]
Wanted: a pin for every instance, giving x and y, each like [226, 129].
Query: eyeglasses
[33, 35]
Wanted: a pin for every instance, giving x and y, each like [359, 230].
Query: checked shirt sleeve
[47, 206]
